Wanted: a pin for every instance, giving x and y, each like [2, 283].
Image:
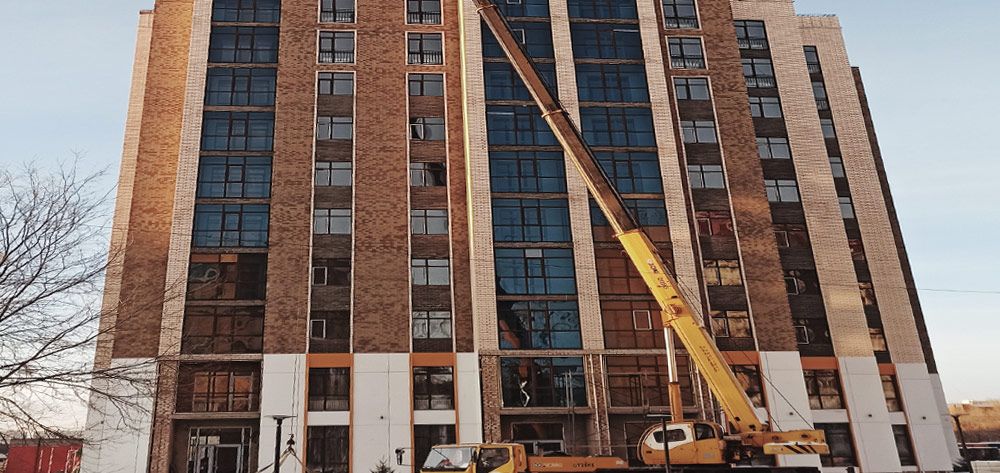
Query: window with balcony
[700, 131]
[538, 325]
[524, 8]
[234, 177]
[527, 171]
[829, 129]
[706, 176]
[838, 437]
[722, 272]
[336, 11]
[430, 272]
[429, 222]
[427, 85]
[333, 174]
[714, 224]
[531, 220]
[535, 37]
[233, 86]
[650, 213]
[686, 53]
[243, 11]
[605, 41]
[332, 221]
[791, 236]
[329, 389]
[227, 276]
[749, 378]
[730, 324]
[423, 12]
[237, 131]
[759, 73]
[837, 166]
[433, 388]
[336, 47]
[336, 83]
[631, 324]
[633, 172]
[517, 125]
[428, 174]
[823, 387]
[425, 48]
[427, 128]
[765, 107]
[819, 92]
[603, 9]
[334, 128]
[680, 14]
[846, 207]
[329, 331]
[543, 382]
[535, 271]
[230, 225]
[615, 126]
[751, 34]
[694, 88]
[328, 449]
[773, 148]
[431, 324]
[218, 388]
[243, 44]
[782, 190]
[812, 59]
[503, 83]
[616, 274]
[612, 83]
[222, 330]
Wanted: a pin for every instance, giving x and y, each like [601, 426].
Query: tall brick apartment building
[349, 211]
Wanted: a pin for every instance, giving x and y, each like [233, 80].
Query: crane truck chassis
[691, 445]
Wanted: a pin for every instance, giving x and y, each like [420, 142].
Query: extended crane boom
[676, 311]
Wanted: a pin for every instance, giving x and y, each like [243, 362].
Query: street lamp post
[664, 418]
[277, 440]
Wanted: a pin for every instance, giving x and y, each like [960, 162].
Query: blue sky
[928, 65]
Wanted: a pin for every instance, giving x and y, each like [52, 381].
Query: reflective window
[430, 272]
[614, 126]
[838, 437]
[714, 224]
[527, 171]
[246, 11]
[426, 85]
[823, 387]
[601, 9]
[534, 220]
[423, 12]
[227, 277]
[837, 166]
[224, 388]
[686, 53]
[758, 73]
[773, 148]
[243, 44]
[332, 221]
[765, 107]
[329, 389]
[336, 47]
[527, 8]
[751, 34]
[334, 128]
[730, 324]
[517, 125]
[237, 131]
[425, 48]
[692, 88]
[700, 131]
[632, 172]
[680, 14]
[543, 382]
[336, 174]
[433, 388]
[336, 11]
[749, 378]
[538, 325]
[431, 324]
[722, 272]
[234, 177]
[328, 448]
[612, 83]
[228, 86]
[535, 271]
[427, 128]
[221, 329]
[846, 207]
[428, 174]
[503, 83]
[429, 222]
[535, 37]
[336, 83]
[829, 130]
[230, 225]
[706, 176]
[781, 190]
[605, 41]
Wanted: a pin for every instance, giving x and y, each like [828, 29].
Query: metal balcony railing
[423, 18]
[687, 63]
[760, 82]
[338, 16]
[426, 57]
[680, 22]
[336, 57]
[753, 43]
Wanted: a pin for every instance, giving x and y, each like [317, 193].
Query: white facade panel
[381, 393]
[470, 398]
[920, 403]
[787, 399]
[282, 393]
[119, 440]
[873, 438]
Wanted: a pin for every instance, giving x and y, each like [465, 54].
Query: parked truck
[690, 444]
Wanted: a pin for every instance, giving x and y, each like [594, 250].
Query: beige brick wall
[187, 177]
[841, 296]
[126, 181]
[866, 191]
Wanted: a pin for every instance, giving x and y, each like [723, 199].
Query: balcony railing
[822, 105]
[760, 82]
[426, 57]
[336, 57]
[687, 63]
[423, 18]
[680, 22]
[753, 43]
[814, 68]
[339, 16]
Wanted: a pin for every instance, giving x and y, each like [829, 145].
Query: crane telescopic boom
[676, 312]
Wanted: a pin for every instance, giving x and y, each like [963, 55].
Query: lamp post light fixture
[277, 440]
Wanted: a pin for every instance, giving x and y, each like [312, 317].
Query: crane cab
[690, 443]
[476, 458]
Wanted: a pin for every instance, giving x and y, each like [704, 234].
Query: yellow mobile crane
[687, 442]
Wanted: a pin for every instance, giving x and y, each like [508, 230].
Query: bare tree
[54, 229]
